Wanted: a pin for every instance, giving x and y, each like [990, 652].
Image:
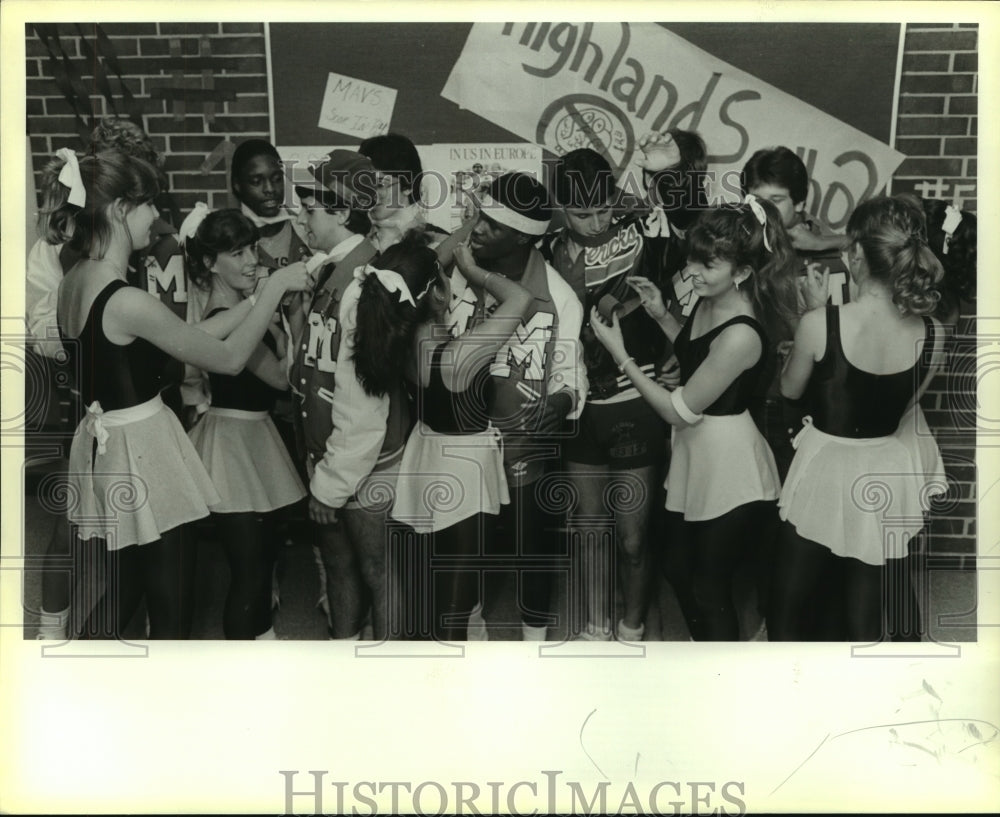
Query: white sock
[267, 635]
[626, 633]
[532, 633]
[477, 625]
[52, 626]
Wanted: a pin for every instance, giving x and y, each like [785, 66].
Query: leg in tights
[123, 593]
[168, 568]
[720, 544]
[270, 548]
[676, 562]
[455, 578]
[804, 573]
[864, 585]
[243, 540]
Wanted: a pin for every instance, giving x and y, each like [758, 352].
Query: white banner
[570, 85]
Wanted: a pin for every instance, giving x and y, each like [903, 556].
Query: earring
[737, 285]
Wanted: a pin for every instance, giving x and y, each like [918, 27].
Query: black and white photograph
[487, 360]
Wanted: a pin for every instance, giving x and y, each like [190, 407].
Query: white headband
[755, 208]
[952, 218]
[392, 281]
[70, 177]
[193, 221]
[502, 214]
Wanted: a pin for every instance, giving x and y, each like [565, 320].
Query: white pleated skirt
[445, 478]
[247, 461]
[862, 498]
[134, 475]
[718, 464]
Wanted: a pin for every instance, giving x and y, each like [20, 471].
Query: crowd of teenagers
[577, 382]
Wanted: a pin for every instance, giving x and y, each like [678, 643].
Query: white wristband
[677, 400]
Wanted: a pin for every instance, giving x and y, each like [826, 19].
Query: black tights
[700, 561]
[455, 587]
[163, 572]
[817, 596]
[251, 544]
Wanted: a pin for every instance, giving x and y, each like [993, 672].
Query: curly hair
[221, 231]
[891, 233]
[385, 325]
[733, 233]
[107, 176]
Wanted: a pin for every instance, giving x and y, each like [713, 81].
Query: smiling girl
[722, 480]
[135, 480]
[237, 439]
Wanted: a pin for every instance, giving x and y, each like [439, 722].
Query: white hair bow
[758, 211]
[952, 218]
[193, 221]
[392, 281]
[70, 177]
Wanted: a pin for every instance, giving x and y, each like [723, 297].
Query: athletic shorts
[620, 435]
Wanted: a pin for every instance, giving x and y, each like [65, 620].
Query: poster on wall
[605, 85]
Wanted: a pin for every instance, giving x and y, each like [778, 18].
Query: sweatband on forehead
[502, 214]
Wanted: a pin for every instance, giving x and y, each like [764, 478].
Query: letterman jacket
[542, 357]
[602, 270]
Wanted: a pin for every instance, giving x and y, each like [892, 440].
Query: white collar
[335, 255]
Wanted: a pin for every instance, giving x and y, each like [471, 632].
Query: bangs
[145, 181]
[227, 231]
[709, 239]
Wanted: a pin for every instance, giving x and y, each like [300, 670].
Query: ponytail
[386, 324]
[106, 176]
[892, 235]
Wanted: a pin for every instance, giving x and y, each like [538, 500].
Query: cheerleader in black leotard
[135, 480]
[855, 492]
[722, 480]
[452, 468]
[236, 439]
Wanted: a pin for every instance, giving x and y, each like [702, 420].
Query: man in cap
[334, 220]
[538, 378]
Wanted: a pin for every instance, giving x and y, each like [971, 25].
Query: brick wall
[195, 84]
[937, 130]
[220, 68]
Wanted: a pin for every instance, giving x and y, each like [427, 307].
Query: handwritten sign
[356, 107]
[603, 85]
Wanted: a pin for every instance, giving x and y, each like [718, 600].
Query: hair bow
[70, 177]
[952, 218]
[755, 207]
[392, 281]
[193, 221]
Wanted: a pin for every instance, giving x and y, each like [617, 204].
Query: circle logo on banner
[587, 121]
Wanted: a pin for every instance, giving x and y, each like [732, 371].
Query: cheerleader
[859, 367]
[722, 480]
[452, 473]
[237, 440]
[135, 479]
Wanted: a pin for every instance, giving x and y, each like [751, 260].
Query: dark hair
[107, 176]
[247, 151]
[778, 166]
[680, 189]
[396, 155]
[733, 233]
[386, 325]
[959, 257]
[583, 178]
[221, 231]
[892, 234]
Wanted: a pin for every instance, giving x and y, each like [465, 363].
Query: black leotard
[691, 353]
[448, 412]
[244, 391]
[117, 376]
[848, 402]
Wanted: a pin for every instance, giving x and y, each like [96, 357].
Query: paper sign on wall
[604, 85]
[356, 107]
